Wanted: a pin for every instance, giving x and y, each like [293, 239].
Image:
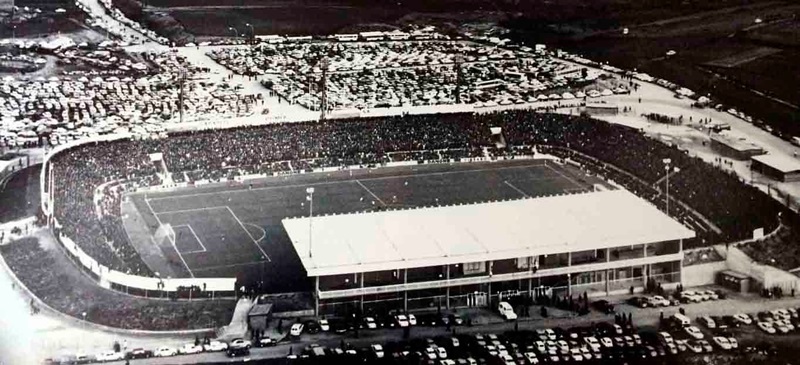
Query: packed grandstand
[714, 203]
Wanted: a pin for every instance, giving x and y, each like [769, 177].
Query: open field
[237, 231]
[756, 85]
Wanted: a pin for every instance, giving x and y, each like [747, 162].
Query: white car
[551, 335]
[733, 342]
[324, 325]
[694, 332]
[506, 311]
[377, 350]
[215, 346]
[110, 356]
[441, 352]
[239, 342]
[743, 318]
[370, 323]
[722, 342]
[430, 353]
[592, 342]
[563, 346]
[531, 358]
[165, 351]
[711, 295]
[190, 348]
[691, 297]
[767, 327]
[658, 301]
[576, 354]
[402, 320]
[607, 342]
[296, 329]
[412, 320]
[666, 337]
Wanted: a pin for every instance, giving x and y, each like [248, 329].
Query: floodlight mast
[323, 98]
[310, 198]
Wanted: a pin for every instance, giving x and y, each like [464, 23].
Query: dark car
[312, 327]
[429, 320]
[139, 353]
[238, 351]
[338, 325]
[603, 306]
[640, 302]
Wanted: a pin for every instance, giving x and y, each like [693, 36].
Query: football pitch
[234, 229]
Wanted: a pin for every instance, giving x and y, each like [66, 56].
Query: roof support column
[490, 264]
[361, 284]
[447, 292]
[530, 277]
[607, 272]
[680, 267]
[316, 296]
[405, 292]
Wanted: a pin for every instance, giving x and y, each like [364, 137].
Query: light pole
[310, 198]
[667, 162]
[234, 31]
[252, 33]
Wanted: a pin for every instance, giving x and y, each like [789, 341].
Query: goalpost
[164, 231]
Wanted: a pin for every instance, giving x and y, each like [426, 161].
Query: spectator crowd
[616, 152]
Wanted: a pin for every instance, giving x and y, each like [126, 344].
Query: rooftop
[398, 239]
[779, 162]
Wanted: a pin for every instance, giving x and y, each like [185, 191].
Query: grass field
[236, 230]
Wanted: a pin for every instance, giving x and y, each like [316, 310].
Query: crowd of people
[393, 74]
[74, 294]
[58, 110]
[619, 153]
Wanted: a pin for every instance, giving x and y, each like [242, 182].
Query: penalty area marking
[248, 234]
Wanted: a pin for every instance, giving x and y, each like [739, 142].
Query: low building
[736, 149]
[371, 36]
[596, 243]
[778, 167]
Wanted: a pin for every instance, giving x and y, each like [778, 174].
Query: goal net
[163, 232]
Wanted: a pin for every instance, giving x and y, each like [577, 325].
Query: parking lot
[483, 336]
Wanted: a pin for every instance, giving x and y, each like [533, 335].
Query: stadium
[408, 212]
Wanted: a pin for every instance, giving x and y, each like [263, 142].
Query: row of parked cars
[684, 297]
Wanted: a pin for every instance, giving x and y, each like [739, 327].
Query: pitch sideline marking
[566, 177]
[192, 210]
[370, 192]
[248, 234]
[516, 188]
[206, 268]
[410, 176]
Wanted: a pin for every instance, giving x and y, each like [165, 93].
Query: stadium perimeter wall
[112, 279]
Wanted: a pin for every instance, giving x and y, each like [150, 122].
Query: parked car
[707, 321]
[658, 301]
[722, 342]
[324, 325]
[139, 353]
[767, 327]
[311, 327]
[110, 356]
[165, 351]
[369, 323]
[402, 320]
[235, 351]
[377, 351]
[640, 302]
[603, 306]
[743, 318]
[296, 329]
[694, 332]
[506, 311]
[190, 348]
[412, 320]
[267, 342]
[240, 342]
[215, 346]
